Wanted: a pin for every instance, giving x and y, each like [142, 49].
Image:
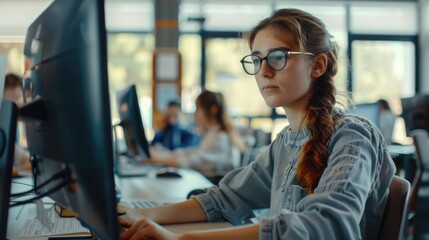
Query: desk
[132, 188]
[151, 187]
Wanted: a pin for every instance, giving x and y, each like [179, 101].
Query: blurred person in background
[387, 121]
[13, 92]
[173, 135]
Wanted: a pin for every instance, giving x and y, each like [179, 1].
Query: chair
[421, 143]
[395, 214]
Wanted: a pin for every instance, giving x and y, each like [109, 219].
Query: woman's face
[289, 87]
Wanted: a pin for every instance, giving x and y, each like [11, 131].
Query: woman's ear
[320, 63]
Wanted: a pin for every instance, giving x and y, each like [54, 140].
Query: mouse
[168, 172]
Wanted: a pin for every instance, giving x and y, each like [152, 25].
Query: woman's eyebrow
[279, 48]
[256, 52]
[272, 50]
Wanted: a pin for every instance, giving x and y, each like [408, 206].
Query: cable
[25, 184]
[36, 188]
[42, 195]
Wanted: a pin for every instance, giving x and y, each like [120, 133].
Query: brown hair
[207, 100]
[309, 34]
[12, 81]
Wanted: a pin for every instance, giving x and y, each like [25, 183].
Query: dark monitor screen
[415, 112]
[8, 114]
[132, 124]
[67, 112]
[370, 111]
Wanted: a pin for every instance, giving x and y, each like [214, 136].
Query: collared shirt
[348, 202]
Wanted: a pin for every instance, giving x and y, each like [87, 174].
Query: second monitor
[132, 123]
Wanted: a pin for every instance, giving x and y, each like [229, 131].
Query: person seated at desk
[220, 146]
[13, 92]
[325, 176]
[173, 135]
[387, 121]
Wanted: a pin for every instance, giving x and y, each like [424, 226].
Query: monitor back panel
[8, 113]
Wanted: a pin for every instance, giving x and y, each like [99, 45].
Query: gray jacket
[348, 202]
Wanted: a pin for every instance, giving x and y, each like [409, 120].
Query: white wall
[125, 15]
[16, 16]
[424, 45]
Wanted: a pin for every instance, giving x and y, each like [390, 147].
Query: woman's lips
[269, 88]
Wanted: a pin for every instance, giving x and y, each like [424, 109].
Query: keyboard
[143, 203]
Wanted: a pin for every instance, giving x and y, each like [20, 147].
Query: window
[14, 52]
[130, 62]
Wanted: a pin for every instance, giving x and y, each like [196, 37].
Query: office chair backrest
[393, 223]
[421, 143]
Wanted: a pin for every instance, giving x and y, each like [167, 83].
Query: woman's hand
[128, 216]
[147, 229]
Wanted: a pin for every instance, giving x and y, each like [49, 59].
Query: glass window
[14, 52]
[130, 62]
[384, 18]
[381, 65]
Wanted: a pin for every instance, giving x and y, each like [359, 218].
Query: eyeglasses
[276, 59]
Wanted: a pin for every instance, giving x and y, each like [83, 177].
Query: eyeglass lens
[276, 60]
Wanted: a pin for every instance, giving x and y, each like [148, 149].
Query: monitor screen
[132, 123]
[370, 111]
[415, 112]
[8, 113]
[67, 112]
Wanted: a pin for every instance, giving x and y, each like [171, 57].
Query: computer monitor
[370, 111]
[415, 112]
[132, 123]
[67, 113]
[8, 115]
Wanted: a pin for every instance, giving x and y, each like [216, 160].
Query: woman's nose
[266, 70]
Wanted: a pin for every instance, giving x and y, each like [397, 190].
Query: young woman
[220, 146]
[325, 176]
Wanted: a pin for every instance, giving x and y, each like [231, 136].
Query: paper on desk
[62, 227]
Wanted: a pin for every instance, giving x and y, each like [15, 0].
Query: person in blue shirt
[325, 176]
[174, 135]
